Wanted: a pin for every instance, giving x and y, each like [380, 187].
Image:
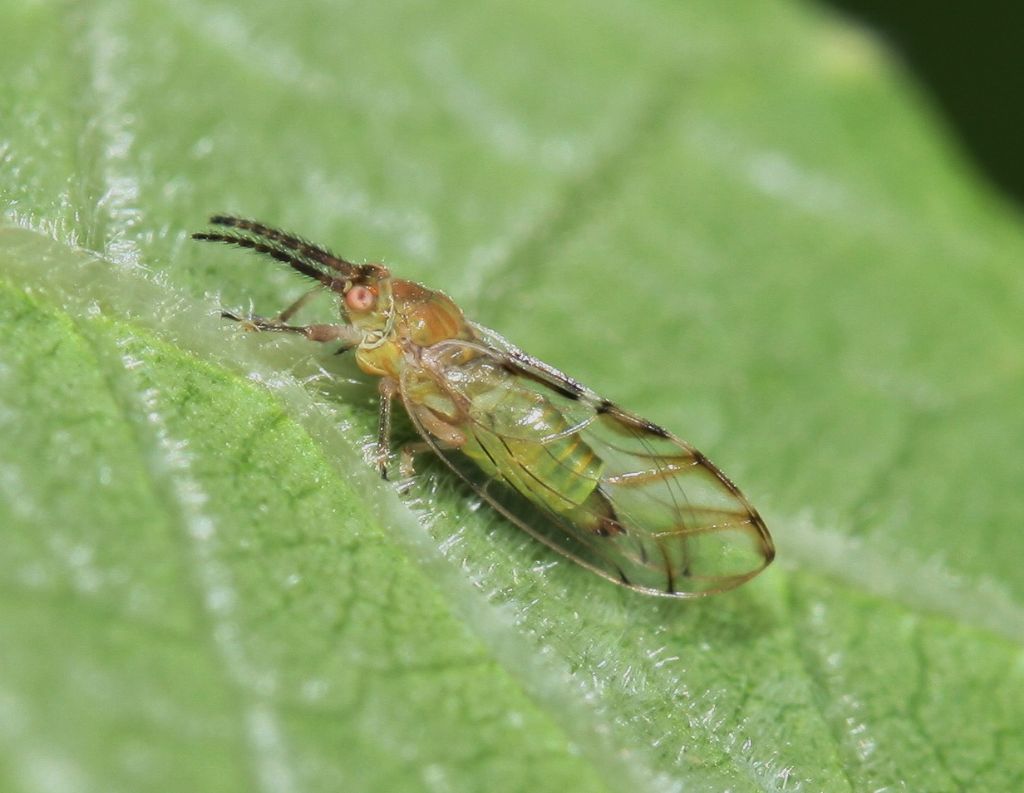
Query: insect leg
[406, 455]
[444, 434]
[388, 388]
[346, 334]
[448, 435]
[289, 312]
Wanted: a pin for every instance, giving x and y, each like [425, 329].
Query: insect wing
[684, 519]
[681, 528]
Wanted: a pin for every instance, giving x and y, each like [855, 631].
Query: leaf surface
[736, 219]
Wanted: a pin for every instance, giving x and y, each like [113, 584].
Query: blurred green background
[969, 61]
[745, 220]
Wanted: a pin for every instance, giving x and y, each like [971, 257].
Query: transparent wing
[659, 518]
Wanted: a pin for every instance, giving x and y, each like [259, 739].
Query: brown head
[380, 306]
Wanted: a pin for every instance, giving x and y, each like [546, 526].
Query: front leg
[287, 313]
[348, 335]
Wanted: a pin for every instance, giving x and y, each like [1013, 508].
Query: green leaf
[738, 219]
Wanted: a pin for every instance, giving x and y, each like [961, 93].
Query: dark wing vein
[677, 539]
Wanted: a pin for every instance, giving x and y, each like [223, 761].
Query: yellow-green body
[511, 431]
[619, 495]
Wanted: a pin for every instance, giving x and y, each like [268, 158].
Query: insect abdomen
[523, 438]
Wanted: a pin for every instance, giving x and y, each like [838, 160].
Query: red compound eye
[360, 298]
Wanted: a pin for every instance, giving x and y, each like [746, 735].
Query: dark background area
[969, 58]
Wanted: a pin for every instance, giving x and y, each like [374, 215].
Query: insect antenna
[283, 239]
[297, 262]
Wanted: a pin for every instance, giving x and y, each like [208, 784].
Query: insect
[610, 490]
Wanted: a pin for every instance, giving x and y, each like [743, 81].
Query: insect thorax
[416, 318]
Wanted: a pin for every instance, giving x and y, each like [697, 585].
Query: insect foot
[249, 324]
